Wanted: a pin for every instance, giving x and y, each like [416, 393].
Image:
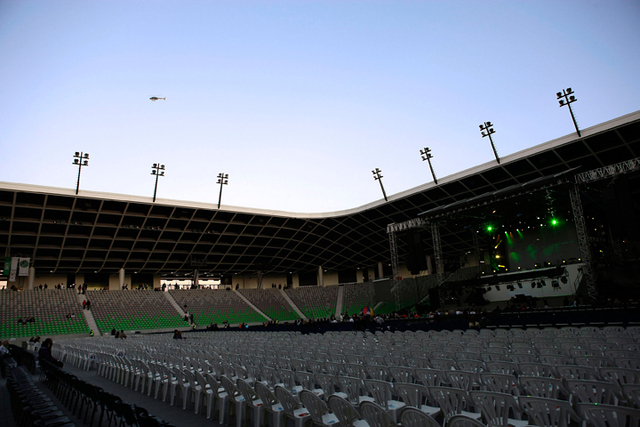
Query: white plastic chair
[253, 402]
[416, 395]
[270, 403]
[548, 412]
[375, 415]
[319, 410]
[496, 408]
[347, 414]
[292, 409]
[609, 415]
[414, 417]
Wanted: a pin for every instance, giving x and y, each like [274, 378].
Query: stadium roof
[102, 232]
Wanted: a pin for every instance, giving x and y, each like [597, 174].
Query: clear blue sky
[298, 100]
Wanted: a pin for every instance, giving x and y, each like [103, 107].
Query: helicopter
[155, 98]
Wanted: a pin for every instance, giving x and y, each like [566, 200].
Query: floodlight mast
[425, 154]
[158, 170]
[378, 177]
[569, 98]
[223, 179]
[80, 159]
[486, 129]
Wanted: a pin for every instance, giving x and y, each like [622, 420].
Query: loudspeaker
[416, 260]
[434, 298]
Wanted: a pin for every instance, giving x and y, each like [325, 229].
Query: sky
[298, 101]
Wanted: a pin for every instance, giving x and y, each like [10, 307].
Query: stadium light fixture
[223, 179]
[486, 129]
[425, 153]
[158, 170]
[566, 97]
[80, 159]
[378, 177]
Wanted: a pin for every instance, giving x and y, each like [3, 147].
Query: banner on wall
[7, 266]
[24, 267]
[14, 269]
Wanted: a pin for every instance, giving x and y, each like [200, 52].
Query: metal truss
[443, 291]
[476, 246]
[406, 225]
[608, 171]
[395, 265]
[583, 241]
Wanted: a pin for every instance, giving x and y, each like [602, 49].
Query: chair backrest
[501, 367]
[590, 391]
[351, 386]
[548, 412]
[378, 372]
[287, 400]
[403, 374]
[631, 392]
[414, 417]
[345, 411]
[430, 377]
[375, 415]
[535, 370]
[620, 375]
[541, 386]
[316, 406]
[461, 379]
[412, 394]
[452, 401]
[500, 383]
[380, 390]
[315, 366]
[353, 370]
[463, 421]
[609, 415]
[267, 397]
[495, 407]
[229, 387]
[306, 380]
[247, 391]
[574, 372]
[288, 378]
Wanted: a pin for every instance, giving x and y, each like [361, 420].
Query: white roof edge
[628, 118]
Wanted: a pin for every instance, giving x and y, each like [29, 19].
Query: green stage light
[554, 221]
[489, 228]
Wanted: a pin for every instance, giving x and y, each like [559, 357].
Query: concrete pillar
[32, 276]
[380, 271]
[196, 278]
[121, 278]
[429, 266]
[320, 276]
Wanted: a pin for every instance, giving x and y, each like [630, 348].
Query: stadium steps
[339, 300]
[175, 305]
[242, 297]
[88, 315]
[293, 305]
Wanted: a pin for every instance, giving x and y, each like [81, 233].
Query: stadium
[537, 246]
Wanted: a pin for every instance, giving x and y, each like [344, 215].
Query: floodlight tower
[80, 159]
[426, 155]
[566, 97]
[378, 177]
[158, 170]
[486, 129]
[223, 179]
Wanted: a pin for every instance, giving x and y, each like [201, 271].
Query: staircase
[251, 305]
[175, 305]
[88, 315]
[339, 301]
[292, 304]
